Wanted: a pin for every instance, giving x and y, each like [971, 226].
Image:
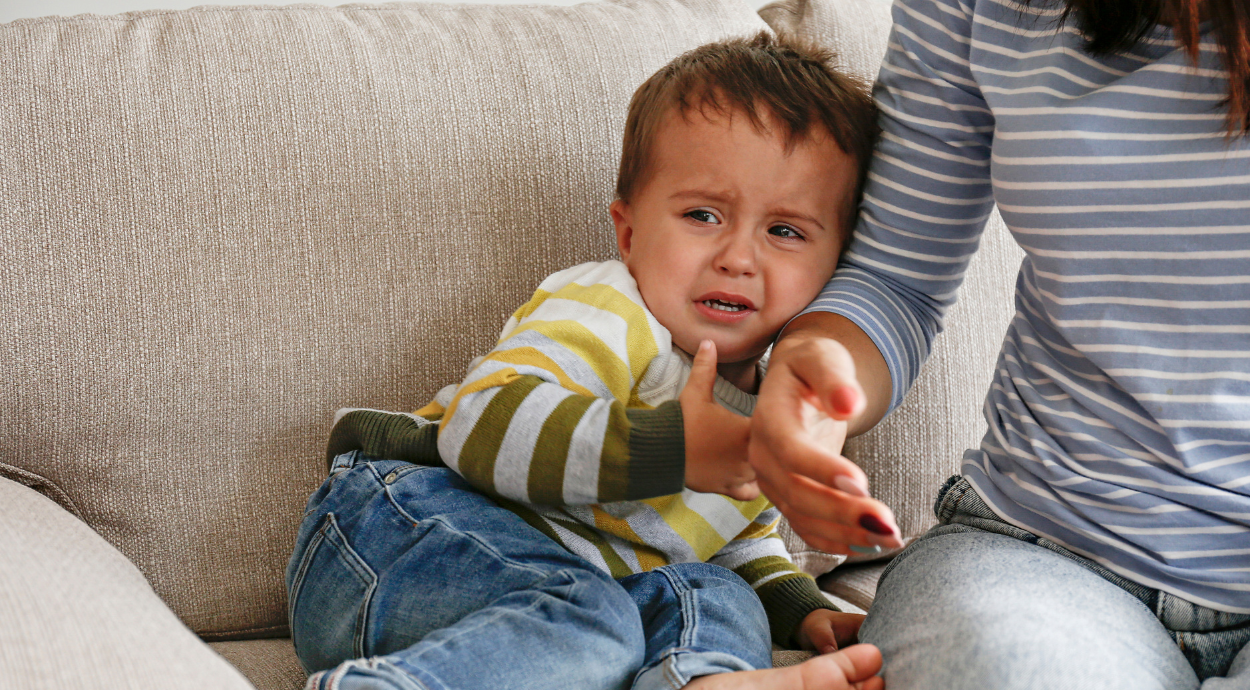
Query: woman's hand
[796, 436]
[716, 439]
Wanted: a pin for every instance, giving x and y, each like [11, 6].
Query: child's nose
[737, 256]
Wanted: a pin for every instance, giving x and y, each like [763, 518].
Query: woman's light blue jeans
[980, 604]
[404, 577]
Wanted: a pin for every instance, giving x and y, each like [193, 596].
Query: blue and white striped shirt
[1119, 415]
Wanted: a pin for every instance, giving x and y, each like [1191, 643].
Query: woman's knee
[975, 610]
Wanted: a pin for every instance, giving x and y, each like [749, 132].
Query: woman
[1100, 536]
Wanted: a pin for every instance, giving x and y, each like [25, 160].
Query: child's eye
[702, 216]
[785, 232]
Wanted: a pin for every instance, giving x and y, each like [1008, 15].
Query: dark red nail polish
[873, 524]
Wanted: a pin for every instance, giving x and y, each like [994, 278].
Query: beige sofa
[219, 225]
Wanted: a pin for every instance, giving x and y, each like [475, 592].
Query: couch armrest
[75, 613]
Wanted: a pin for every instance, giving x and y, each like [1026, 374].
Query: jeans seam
[563, 572]
[496, 552]
[298, 581]
[689, 613]
[952, 495]
[670, 671]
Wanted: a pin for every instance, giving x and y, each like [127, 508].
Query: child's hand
[716, 439]
[824, 631]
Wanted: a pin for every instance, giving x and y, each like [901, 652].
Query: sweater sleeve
[551, 415]
[928, 194]
[758, 555]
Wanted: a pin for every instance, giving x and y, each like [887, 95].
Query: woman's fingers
[780, 444]
[825, 373]
[844, 534]
[795, 448]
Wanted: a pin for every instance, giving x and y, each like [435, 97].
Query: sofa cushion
[270, 664]
[854, 583]
[221, 224]
[909, 455]
[75, 613]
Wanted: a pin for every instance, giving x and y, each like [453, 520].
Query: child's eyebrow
[723, 197]
[790, 213]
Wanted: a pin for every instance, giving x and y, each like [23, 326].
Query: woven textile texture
[909, 455]
[270, 664]
[77, 614]
[219, 225]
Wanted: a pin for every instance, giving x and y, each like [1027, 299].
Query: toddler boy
[625, 545]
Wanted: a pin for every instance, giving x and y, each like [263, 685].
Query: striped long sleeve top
[1119, 414]
[572, 422]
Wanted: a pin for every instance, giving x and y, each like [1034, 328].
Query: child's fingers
[746, 491]
[703, 371]
[823, 638]
[846, 627]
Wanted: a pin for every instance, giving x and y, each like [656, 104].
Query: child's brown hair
[789, 79]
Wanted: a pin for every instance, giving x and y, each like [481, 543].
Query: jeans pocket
[330, 597]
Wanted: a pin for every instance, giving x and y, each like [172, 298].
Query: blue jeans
[979, 603]
[404, 577]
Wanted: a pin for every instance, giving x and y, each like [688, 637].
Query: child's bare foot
[852, 668]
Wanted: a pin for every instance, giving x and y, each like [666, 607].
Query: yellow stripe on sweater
[528, 356]
[640, 341]
[648, 558]
[535, 302]
[756, 530]
[498, 378]
[586, 345]
[692, 527]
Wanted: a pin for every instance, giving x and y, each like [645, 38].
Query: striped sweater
[1119, 415]
[572, 422]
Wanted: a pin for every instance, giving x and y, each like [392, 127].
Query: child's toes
[858, 662]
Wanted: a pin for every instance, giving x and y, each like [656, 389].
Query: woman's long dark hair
[1112, 25]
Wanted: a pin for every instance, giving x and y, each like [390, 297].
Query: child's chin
[727, 352]
[730, 353]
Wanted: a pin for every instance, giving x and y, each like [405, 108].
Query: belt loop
[344, 461]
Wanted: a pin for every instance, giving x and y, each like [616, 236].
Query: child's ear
[622, 217]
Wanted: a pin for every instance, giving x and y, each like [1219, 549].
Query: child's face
[730, 236]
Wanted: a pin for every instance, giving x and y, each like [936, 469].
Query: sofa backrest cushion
[219, 225]
[909, 455]
[74, 613]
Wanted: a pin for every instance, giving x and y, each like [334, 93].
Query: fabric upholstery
[75, 613]
[909, 455]
[855, 583]
[270, 664]
[219, 225]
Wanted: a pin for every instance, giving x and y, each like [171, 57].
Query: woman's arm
[814, 379]
[925, 204]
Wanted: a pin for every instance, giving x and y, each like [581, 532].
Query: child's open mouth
[723, 306]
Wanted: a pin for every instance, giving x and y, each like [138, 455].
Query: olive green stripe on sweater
[545, 483]
[616, 565]
[614, 459]
[385, 435]
[657, 451]
[755, 570]
[787, 600]
[476, 462]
